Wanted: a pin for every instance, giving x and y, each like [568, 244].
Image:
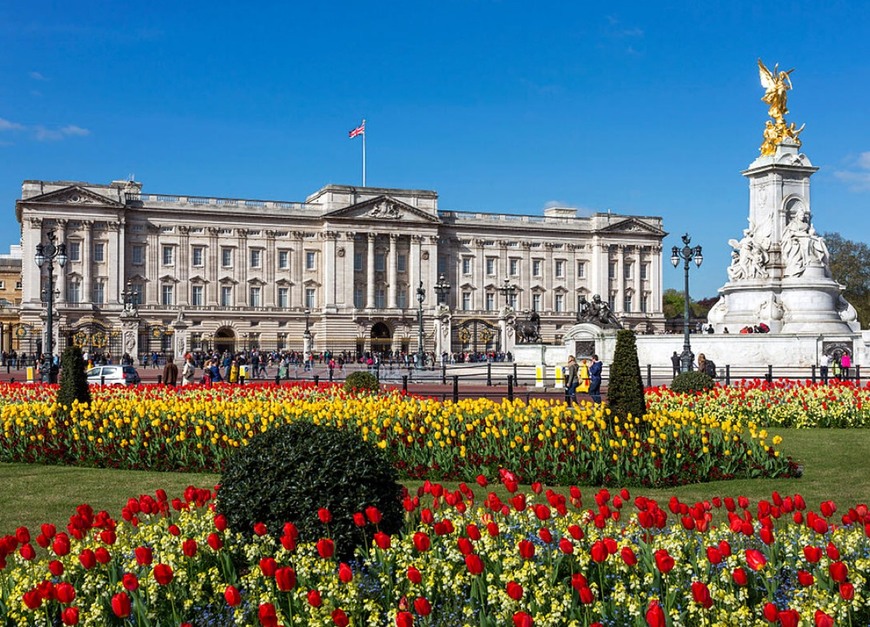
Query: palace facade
[345, 270]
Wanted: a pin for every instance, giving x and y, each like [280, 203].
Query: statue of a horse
[527, 331]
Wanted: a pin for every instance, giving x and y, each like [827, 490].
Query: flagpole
[364, 157]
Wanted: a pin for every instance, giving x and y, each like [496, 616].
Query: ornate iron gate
[94, 339]
[477, 336]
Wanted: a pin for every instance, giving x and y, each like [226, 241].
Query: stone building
[342, 271]
[13, 336]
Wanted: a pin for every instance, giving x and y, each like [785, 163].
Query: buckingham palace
[349, 269]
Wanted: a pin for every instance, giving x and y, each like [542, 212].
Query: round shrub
[360, 381]
[691, 382]
[288, 473]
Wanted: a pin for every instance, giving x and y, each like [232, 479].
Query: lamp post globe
[687, 254]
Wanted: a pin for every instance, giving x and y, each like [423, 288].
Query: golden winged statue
[776, 85]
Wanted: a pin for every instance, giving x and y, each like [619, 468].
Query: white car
[113, 375]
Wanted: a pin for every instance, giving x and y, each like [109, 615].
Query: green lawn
[833, 460]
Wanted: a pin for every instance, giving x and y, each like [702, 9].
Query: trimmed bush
[691, 382]
[287, 474]
[73, 379]
[625, 386]
[361, 382]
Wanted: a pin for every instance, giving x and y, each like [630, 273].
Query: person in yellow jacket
[583, 380]
[234, 372]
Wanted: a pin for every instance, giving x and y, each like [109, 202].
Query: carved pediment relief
[383, 209]
[634, 227]
[74, 195]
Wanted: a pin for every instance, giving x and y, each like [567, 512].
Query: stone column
[370, 272]
[297, 271]
[443, 331]
[415, 268]
[214, 263]
[152, 285]
[87, 295]
[60, 279]
[130, 334]
[391, 269]
[526, 278]
[270, 264]
[329, 273]
[241, 268]
[182, 267]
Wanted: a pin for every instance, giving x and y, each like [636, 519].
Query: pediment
[383, 209]
[168, 278]
[75, 195]
[634, 227]
[198, 279]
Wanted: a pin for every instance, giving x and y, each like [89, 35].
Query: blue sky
[646, 108]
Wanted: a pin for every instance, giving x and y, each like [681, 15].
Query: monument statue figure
[748, 259]
[801, 246]
[529, 330]
[597, 312]
[776, 85]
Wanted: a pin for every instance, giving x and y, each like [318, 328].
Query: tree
[673, 304]
[625, 387]
[73, 379]
[850, 266]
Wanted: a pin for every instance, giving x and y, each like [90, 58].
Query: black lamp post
[45, 256]
[421, 296]
[687, 254]
[306, 335]
[508, 290]
[441, 288]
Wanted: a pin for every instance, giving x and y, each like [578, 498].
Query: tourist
[595, 379]
[570, 376]
[675, 362]
[187, 370]
[823, 368]
[845, 364]
[170, 373]
[583, 386]
[707, 366]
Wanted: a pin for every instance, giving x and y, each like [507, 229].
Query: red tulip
[27, 552]
[233, 597]
[345, 574]
[664, 562]
[359, 519]
[189, 547]
[414, 575]
[828, 508]
[324, 515]
[340, 618]
[314, 599]
[32, 599]
[578, 581]
[220, 522]
[102, 555]
[404, 619]
[521, 619]
[260, 529]
[121, 605]
[527, 549]
[839, 571]
[514, 590]
[628, 556]
[87, 559]
[61, 544]
[823, 620]
[163, 574]
[805, 578]
[267, 615]
[655, 615]
[55, 568]
[285, 578]
[325, 548]
[770, 612]
[144, 555]
[789, 618]
[374, 515]
[738, 575]
[474, 564]
[587, 597]
[421, 542]
[130, 581]
[70, 616]
[598, 551]
[65, 592]
[847, 591]
[755, 559]
[565, 546]
[422, 606]
[812, 554]
[268, 566]
[382, 540]
[701, 594]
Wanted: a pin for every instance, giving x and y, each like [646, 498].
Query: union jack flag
[359, 130]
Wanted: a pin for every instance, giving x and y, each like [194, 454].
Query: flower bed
[537, 559]
[195, 429]
[781, 403]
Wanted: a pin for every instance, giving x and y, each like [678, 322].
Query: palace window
[536, 267]
[198, 256]
[581, 270]
[167, 293]
[611, 270]
[283, 259]
[254, 296]
[310, 260]
[309, 298]
[226, 296]
[466, 265]
[490, 266]
[380, 297]
[559, 304]
[627, 270]
[168, 255]
[626, 303]
[138, 254]
[402, 263]
[256, 257]
[560, 269]
[359, 297]
[466, 301]
[514, 267]
[380, 262]
[226, 257]
[644, 303]
[357, 262]
[402, 297]
[99, 293]
[74, 251]
[536, 302]
[644, 270]
[490, 301]
[74, 291]
[196, 295]
[99, 252]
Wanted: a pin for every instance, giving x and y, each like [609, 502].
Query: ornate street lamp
[687, 254]
[441, 288]
[306, 335]
[421, 296]
[508, 290]
[45, 256]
